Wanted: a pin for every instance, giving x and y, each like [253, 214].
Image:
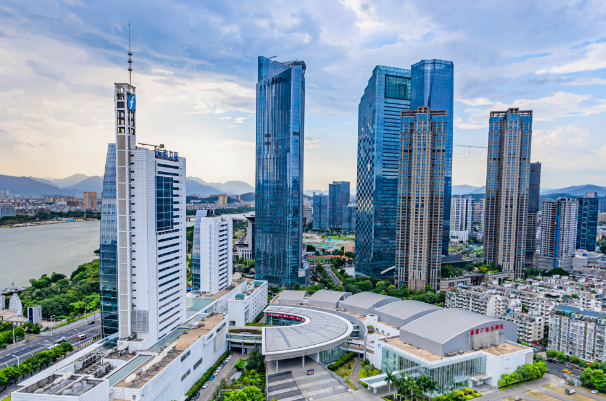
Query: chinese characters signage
[281, 315]
[486, 329]
[167, 155]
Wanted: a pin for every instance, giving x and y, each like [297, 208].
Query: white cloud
[480, 101]
[240, 120]
[225, 118]
[595, 59]
[584, 81]
[313, 143]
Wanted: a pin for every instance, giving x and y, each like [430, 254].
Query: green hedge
[341, 361]
[198, 385]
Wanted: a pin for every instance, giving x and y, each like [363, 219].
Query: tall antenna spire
[130, 61]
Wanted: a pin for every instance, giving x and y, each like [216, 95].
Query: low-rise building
[245, 306]
[579, 332]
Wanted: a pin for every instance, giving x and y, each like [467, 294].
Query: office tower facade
[534, 194]
[307, 213]
[390, 91]
[349, 219]
[150, 201]
[433, 87]
[507, 189]
[89, 200]
[558, 233]
[212, 265]
[478, 218]
[320, 211]
[423, 164]
[587, 222]
[338, 199]
[279, 171]
[461, 213]
[221, 199]
[385, 96]
[108, 247]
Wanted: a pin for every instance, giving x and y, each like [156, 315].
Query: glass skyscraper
[279, 171]
[433, 87]
[390, 90]
[379, 127]
[108, 268]
[338, 194]
[587, 222]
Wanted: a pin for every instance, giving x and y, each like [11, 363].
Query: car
[565, 370]
[518, 399]
[197, 395]
[91, 322]
[205, 385]
[81, 337]
[594, 391]
[212, 377]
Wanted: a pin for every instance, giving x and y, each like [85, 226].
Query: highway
[556, 369]
[38, 343]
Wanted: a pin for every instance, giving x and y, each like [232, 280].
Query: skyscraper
[338, 194]
[150, 200]
[461, 213]
[320, 212]
[423, 164]
[587, 222]
[558, 233]
[507, 189]
[108, 248]
[349, 219]
[212, 252]
[388, 92]
[534, 190]
[279, 171]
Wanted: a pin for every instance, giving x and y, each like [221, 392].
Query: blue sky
[195, 72]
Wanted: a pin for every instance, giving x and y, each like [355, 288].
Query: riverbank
[46, 222]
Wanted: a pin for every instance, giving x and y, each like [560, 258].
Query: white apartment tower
[558, 233]
[461, 213]
[150, 200]
[212, 265]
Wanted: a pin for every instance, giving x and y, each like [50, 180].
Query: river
[29, 252]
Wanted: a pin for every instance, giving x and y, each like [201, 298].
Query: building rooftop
[67, 384]
[291, 297]
[218, 295]
[366, 301]
[400, 313]
[327, 297]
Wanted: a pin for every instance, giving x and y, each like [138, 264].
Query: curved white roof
[327, 298]
[401, 313]
[291, 297]
[320, 331]
[366, 302]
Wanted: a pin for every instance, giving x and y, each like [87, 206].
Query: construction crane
[468, 146]
[161, 146]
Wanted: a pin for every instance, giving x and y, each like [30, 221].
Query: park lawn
[345, 370]
[339, 237]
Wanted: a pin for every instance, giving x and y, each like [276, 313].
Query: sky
[195, 69]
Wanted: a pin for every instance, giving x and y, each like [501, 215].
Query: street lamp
[52, 316]
[14, 344]
[85, 317]
[16, 356]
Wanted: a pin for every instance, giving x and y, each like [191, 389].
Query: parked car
[59, 340]
[205, 385]
[212, 377]
[196, 395]
[91, 322]
[594, 391]
[518, 399]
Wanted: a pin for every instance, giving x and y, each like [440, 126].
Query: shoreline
[46, 222]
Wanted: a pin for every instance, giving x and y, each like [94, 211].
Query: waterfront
[29, 252]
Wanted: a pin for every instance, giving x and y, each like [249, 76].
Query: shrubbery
[341, 361]
[525, 372]
[198, 385]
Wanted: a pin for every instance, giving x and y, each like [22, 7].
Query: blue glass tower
[338, 194]
[587, 222]
[108, 257]
[433, 87]
[279, 171]
[320, 212]
[379, 127]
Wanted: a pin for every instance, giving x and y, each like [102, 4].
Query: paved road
[332, 275]
[36, 344]
[225, 373]
[556, 369]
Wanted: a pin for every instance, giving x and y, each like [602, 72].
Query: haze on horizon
[195, 68]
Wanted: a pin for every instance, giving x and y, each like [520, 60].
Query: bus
[50, 347]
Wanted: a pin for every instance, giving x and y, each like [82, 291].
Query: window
[397, 87]
[186, 374]
[184, 356]
[198, 363]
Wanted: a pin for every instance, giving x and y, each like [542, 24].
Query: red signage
[285, 316]
[486, 329]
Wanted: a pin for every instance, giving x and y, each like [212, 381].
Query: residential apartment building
[558, 234]
[245, 306]
[531, 328]
[507, 189]
[89, 201]
[461, 213]
[221, 199]
[279, 171]
[421, 197]
[212, 263]
[486, 303]
[478, 218]
[338, 199]
[429, 83]
[579, 332]
[7, 209]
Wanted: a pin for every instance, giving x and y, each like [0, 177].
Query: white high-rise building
[212, 265]
[461, 213]
[558, 234]
[150, 200]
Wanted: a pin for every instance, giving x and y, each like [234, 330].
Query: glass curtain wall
[108, 257]
[446, 372]
[279, 171]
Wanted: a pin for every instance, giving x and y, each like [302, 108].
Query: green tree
[574, 359]
[551, 353]
[389, 378]
[560, 356]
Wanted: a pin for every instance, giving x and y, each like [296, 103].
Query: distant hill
[91, 184]
[195, 187]
[233, 187]
[463, 189]
[248, 197]
[44, 181]
[67, 181]
[579, 190]
[26, 186]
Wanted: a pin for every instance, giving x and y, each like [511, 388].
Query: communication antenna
[272, 57]
[130, 60]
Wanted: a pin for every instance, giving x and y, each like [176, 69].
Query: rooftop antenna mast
[130, 61]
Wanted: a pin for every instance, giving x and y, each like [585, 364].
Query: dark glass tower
[433, 87]
[108, 257]
[587, 222]
[320, 212]
[279, 171]
[385, 96]
[338, 194]
[534, 194]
